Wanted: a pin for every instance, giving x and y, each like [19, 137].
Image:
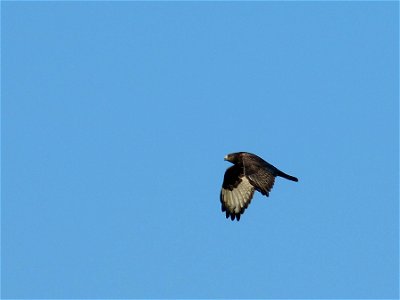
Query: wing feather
[259, 173]
[235, 199]
[262, 181]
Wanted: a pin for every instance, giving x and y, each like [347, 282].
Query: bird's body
[248, 174]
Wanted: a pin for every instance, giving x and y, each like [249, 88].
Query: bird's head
[233, 157]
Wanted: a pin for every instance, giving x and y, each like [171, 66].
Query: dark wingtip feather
[232, 216]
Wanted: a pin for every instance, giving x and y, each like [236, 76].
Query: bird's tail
[284, 175]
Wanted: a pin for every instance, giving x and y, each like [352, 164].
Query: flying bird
[249, 173]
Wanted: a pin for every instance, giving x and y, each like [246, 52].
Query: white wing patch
[237, 200]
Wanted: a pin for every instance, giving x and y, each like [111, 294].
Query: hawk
[249, 173]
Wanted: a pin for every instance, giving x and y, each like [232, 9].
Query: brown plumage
[249, 173]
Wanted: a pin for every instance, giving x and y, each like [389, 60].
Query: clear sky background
[115, 121]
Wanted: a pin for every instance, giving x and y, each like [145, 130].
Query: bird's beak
[226, 157]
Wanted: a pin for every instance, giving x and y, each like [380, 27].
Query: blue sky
[116, 117]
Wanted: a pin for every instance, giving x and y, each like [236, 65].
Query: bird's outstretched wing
[259, 173]
[236, 193]
[262, 180]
